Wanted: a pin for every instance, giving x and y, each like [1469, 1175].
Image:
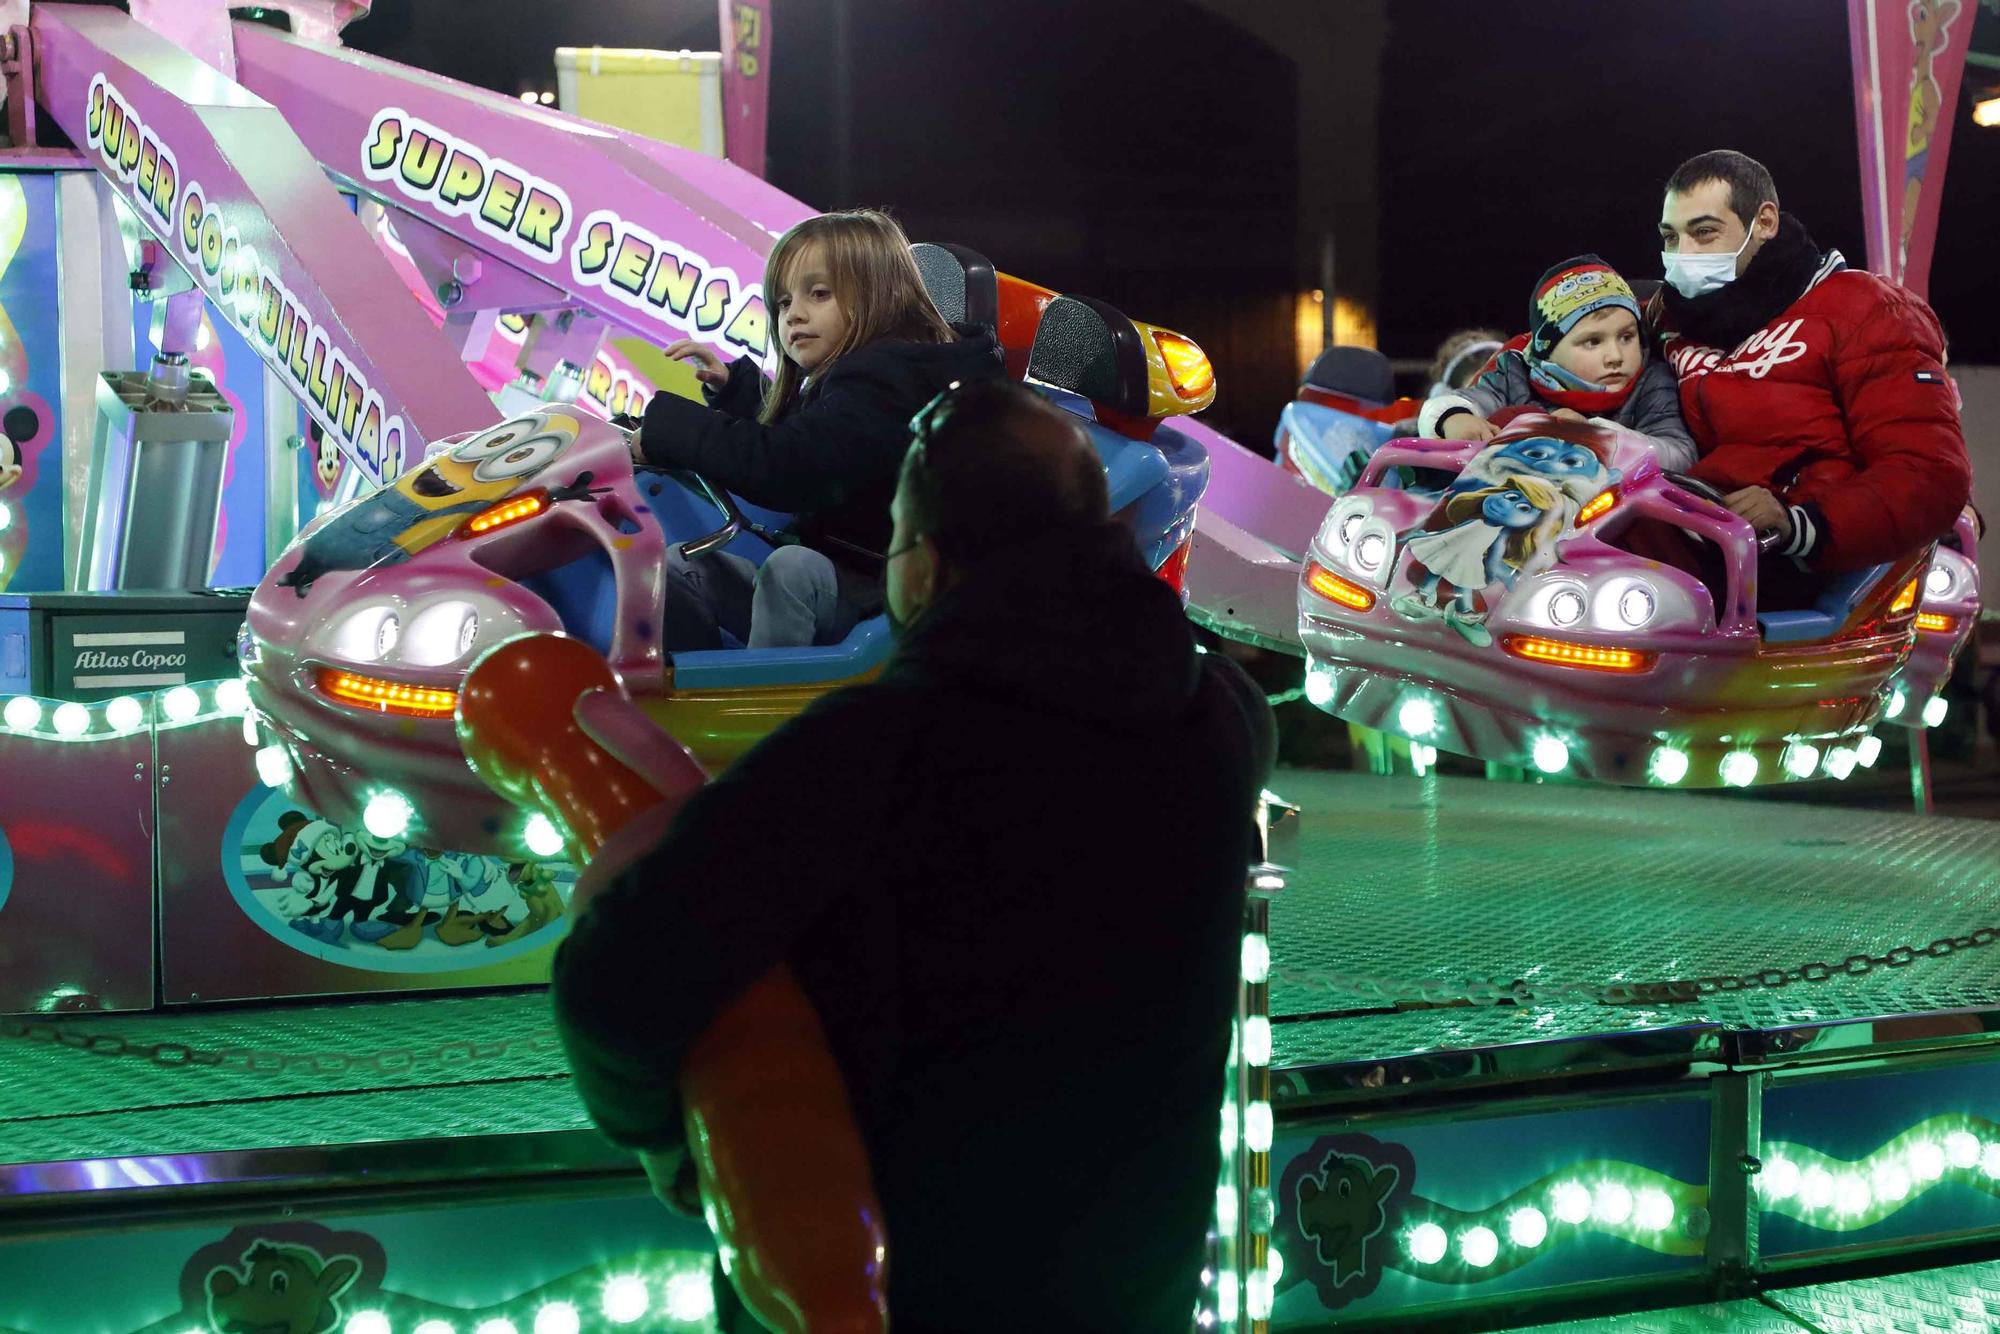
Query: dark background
[1149, 152]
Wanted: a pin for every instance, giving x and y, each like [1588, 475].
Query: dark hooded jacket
[1009, 874]
[833, 462]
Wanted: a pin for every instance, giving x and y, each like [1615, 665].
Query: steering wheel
[1766, 541]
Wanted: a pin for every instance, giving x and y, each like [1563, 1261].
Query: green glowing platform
[1961, 1300]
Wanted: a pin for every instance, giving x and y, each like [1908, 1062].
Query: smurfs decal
[1505, 515]
[351, 897]
[429, 503]
[1339, 1203]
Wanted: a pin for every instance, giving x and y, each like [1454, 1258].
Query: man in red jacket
[1815, 393]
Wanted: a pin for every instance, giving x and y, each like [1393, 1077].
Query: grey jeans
[795, 598]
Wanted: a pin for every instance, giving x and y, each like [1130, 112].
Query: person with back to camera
[1032, 830]
[1816, 393]
[1584, 357]
[861, 348]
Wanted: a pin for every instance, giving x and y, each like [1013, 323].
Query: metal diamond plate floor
[1408, 888]
[374, 1071]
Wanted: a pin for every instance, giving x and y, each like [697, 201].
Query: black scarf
[1775, 277]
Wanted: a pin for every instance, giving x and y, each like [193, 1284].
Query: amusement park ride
[283, 314]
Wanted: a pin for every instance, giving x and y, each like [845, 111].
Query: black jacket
[1009, 873]
[833, 462]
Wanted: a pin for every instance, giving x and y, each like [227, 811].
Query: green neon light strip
[1835, 1195]
[1600, 1197]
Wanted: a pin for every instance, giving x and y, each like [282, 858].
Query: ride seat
[1830, 611]
[1353, 372]
[961, 283]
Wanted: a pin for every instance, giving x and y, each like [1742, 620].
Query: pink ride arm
[781, 1163]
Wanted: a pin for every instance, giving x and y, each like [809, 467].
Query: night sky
[1145, 151]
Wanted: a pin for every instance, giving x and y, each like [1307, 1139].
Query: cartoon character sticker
[1930, 36]
[280, 1290]
[428, 503]
[1505, 515]
[1339, 1204]
[357, 899]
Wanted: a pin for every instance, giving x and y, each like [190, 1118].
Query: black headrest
[1090, 348]
[961, 283]
[1357, 372]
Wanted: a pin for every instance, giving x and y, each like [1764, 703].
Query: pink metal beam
[218, 176]
[660, 240]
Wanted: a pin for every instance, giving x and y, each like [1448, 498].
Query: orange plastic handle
[781, 1163]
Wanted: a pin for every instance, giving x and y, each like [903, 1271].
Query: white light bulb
[6, 518]
[1779, 1179]
[125, 714]
[1550, 755]
[71, 719]
[1840, 762]
[274, 766]
[1669, 765]
[180, 704]
[1256, 1040]
[690, 1298]
[1869, 750]
[1478, 1247]
[1425, 1243]
[1256, 958]
[23, 713]
[557, 1318]
[1739, 768]
[1816, 1188]
[367, 1322]
[387, 815]
[1527, 1227]
[1570, 1202]
[1961, 1148]
[1613, 1204]
[1257, 1127]
[541, 836]
[1926, 1160]
[231, 695]
[1935, 709]
[1653, 1210]
[625, 1299]
[1894, 708]
[1851, 1195]
[1417, 717]
[1891, 1183]
[1937, 581]
[1801, 759]
[1319, 686]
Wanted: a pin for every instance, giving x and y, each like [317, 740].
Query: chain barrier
[1285, 696]
[393, 1060]
[1672, 991]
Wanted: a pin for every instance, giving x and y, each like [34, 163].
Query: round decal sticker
[351, 898]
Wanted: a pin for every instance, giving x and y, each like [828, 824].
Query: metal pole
[1326, 287]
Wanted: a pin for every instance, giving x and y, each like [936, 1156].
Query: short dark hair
[1003, 466]
[1749, 181]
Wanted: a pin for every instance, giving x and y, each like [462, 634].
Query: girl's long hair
[873, 277]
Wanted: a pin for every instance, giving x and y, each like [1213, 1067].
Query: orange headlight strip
[524, 506]
[1599, 504]
[1937, 622]
[1336, 589]
[372, 692]
[1187, 365]
[1568, 653]
[1905, 599]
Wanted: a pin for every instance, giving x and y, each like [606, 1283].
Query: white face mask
[1698, 274]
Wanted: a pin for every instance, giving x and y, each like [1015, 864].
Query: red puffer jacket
[1841, 408]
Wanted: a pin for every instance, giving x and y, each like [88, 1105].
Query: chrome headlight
[440, 633]
[1566, 605]
[367, 634]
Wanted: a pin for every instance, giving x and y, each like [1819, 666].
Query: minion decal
[427, 504]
